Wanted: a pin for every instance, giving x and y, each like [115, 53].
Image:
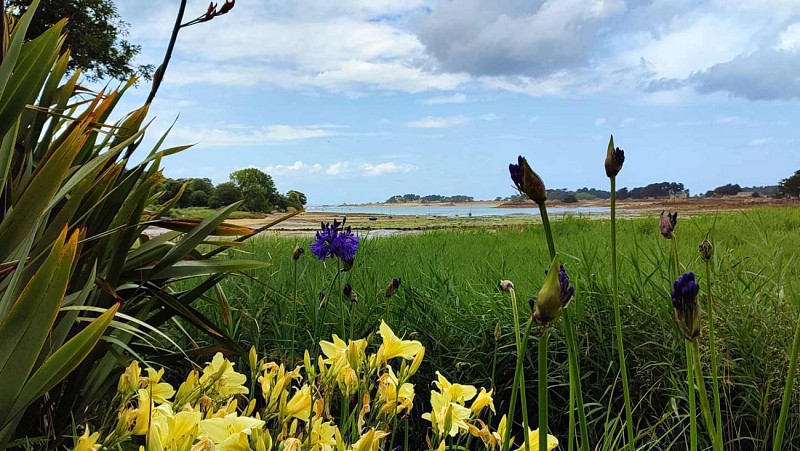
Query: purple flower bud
[506, 285]
[706, 250]
[684, 302]
[614, 159]
[350, 293]
[392, 288]
[527, 181]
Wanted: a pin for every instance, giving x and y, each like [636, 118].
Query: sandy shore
[306, 223]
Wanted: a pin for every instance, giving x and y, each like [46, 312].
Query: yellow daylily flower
[227, 382]
[299, 406]
[370, 441]
[533, 441]
[323, 435]
[333, 350]
[230, 431]
[129, 380]
[275, 380]
[394, 399]
[292, 444]
[395, 347]
[454, 392]
[160, 391]
[88, 442]
[483, 400]
[450, 417]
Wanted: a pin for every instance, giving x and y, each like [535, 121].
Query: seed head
[706, 250]
[687, 310]
[614, 159]
[668, 223]
[527, 181]
[392, 288]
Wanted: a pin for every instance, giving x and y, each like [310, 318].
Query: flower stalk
[706, 253]
[787, 390]
[614, 159]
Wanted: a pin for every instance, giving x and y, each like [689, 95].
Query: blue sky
[357, 100]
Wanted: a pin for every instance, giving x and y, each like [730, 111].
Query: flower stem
[542, 390]
[704, 407]
[618, 318]
[519, 379]
[787, 390]
[294, 310]
[576, 390]
[713, 345]
[692, 403]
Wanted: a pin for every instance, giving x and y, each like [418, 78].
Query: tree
[170, 188]
[570, 199]
[297, 197]
[257, 188]
[790, 187]
[228, 193]
[725, 190]
[198, 199]
[95, 35]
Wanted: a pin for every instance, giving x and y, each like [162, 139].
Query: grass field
[449, 301]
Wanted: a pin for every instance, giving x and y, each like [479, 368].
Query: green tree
[228, 193]
[170, 188]
[257, 188]
[296, 199]
[198, 199]
[790, 187]
[95, 34]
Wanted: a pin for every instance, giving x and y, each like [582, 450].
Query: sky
[358, 100]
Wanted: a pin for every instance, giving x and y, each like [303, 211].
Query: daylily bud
[506, 285]
[527, 181]
[687, 310]
[614, 159]
[554, 294]
[253, 359]
[392, 288]
[498, 333]
[668, 224]
[706, 250]
[350, 293]
[298, 252]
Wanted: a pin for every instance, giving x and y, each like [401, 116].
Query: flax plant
[615, 157]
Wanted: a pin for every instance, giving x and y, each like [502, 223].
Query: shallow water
[450, 211]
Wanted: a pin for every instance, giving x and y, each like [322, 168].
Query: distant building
[673, 195]
[745, 194]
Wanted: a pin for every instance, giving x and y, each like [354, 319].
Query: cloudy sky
[356, 100]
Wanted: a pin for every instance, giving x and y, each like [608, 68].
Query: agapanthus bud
[668, 223]
[527, 181]
[347, 264]
[298, 252]
[706, 250]
[554, 295]
[506, 285]
[614, 159]
[392, 288]
[350, 293]
[687, 310]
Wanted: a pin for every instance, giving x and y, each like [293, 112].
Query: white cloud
[442, 100]
[759, 142]
[626, 122]
[731, 120]
[297, 167]
[600, 121]
[338, 168]
[389, 167]
[238, 135]
[789, 39]
[489, 117]
[438, 122]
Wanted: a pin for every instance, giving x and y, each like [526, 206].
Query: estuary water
[450, 211]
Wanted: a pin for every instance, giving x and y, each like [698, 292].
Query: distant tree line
[252, 185]
[431, 198]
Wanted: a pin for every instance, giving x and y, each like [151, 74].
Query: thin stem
[787, 390]
[692, 403]
[576, 389]
[494, 383]
[294, 310]
[713, 345]
[519, 380]
[542, 390]
[618, 318]
[705, 408]
[342, 329]
[159, 75]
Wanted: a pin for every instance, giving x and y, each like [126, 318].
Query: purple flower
[566, 289]
[684, 301]
[334, 240]
[527, 181]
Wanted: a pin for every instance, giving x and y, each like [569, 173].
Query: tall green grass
[449, 301]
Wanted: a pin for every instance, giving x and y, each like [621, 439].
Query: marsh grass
[449, 301]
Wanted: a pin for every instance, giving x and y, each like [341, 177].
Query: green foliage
[228, 193]
[450, 299]
[724, 190]
[76, 266]
[95, 34]
[257, 188]
[790, 186]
